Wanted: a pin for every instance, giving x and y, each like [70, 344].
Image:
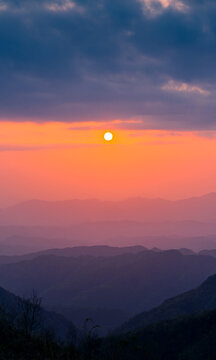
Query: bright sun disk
[108, 136]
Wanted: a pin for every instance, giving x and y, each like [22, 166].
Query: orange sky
[61, 161]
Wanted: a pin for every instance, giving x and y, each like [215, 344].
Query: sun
[108, 136]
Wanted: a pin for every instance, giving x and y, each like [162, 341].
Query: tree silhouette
[30, 310]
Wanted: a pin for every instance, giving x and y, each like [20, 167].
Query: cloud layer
[152, 60]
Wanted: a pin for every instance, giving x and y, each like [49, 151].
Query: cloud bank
[102, 60]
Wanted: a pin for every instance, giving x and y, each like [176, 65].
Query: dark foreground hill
[14, 345]
[197, 300]
[182, 338]
[49, 321]
[129, 283]
[187, 338]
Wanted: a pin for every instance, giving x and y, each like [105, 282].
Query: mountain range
[98, 250]
[102, 285]
[38, 225]
[16, 240]
[66, 213]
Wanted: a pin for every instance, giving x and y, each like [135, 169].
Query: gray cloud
[101, 59]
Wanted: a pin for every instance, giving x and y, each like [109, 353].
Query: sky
[71, 70]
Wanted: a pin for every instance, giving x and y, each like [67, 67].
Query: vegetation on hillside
[187, 338]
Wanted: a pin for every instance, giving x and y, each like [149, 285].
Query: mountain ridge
[106, 282]
[75, 211]
[197, 300]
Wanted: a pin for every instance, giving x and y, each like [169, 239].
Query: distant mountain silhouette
[99, 250]
[211, 252]
[197, 300]
[185, 251]
[65, 213]
[130, 282]
[19, 240]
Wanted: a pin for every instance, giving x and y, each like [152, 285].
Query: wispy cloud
[95, 125]
[207, 134]
[3, 6]
[182, 87]
[55, 6]
[156, 7]
[6, 148]
[61, 6]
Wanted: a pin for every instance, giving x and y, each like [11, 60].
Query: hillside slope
[197, 300]
[187, 338]
[49, 321]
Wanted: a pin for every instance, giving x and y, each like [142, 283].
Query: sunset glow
[108, 136]
[53, 160]
[108, 179]
[106, 114]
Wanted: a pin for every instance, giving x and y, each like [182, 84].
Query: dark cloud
[102, 59]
